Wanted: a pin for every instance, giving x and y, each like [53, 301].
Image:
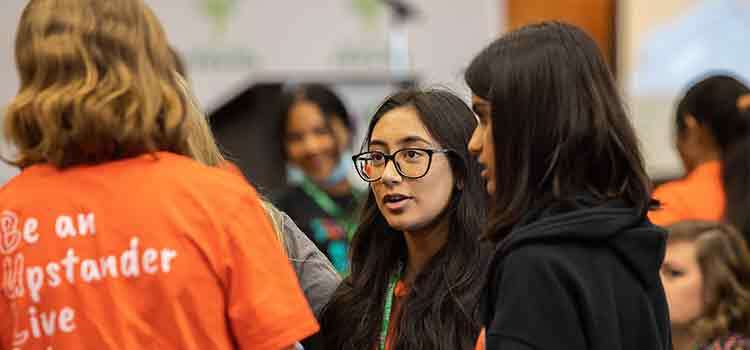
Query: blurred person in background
[706, 274]
[315, 132]
[712, 124]
[416, 261]
[112, 237]
[316, 275]
[576, 263]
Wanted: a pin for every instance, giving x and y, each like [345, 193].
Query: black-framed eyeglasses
[411, 163]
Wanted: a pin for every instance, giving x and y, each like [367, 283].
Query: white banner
[230, 43]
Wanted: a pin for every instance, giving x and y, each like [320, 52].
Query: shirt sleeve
[670, 210]
[316, 275]
[534, 308]
[265, 305]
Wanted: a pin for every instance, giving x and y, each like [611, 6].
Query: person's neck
[711, 156]
[683, 339]
[705, 158]
[421, 246]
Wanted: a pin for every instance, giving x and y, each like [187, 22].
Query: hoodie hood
[639, 243]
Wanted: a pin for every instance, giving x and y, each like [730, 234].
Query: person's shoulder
[539, 256]
[288, 197]
[17, 181]
[190, 184]
[182, 170]
[672, 189]
[555, 258]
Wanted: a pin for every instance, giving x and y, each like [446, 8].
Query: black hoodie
[584, 277]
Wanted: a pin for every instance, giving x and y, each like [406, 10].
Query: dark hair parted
[441, 311]
[720, 103]
[724, 261]
[559, 126]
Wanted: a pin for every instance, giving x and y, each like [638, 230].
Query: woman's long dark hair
[441, 311]
[558, 122]
[715, 103]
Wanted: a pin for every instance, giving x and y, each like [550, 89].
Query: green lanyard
[387, 307]
[328, 205]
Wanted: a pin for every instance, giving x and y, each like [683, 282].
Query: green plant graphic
[219, 12]
[368, 11]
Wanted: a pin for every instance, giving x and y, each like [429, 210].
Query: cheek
[477, 139]
[435, 190]
[327, 142]
[376, 188]
[294, 150]
[685, 299]
[488, 143]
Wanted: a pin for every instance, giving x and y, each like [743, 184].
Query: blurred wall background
[655, 48]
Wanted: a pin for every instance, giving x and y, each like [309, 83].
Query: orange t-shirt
[152, 252]
[699, 196]
[231, 167]
[480, 340]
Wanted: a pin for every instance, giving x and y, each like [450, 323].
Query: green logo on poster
[219, 12]
[368, 11]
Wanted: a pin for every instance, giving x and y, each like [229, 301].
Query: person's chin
[317, 175]
[398, 224]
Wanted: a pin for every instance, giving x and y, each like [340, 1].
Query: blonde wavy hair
[202, 147]
[201, 144]
[724, 261]
[98, 83]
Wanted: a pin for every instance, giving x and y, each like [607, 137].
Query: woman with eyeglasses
[415, 259]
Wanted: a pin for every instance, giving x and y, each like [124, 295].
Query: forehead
[304, 115]
[400, 124]
[682, 251]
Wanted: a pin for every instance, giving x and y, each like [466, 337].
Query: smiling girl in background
[315, 131]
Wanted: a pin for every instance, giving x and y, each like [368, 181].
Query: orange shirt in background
[153, 252]
[480, 340]
[699, 196]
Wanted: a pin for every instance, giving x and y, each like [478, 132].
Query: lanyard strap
[321, 199]
[329, 206]
[387, 307]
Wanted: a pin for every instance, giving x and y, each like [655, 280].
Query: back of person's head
[715, 103]
[98, 83]
[724, 261]
[720, 104]
[450, 281]
[559, 126]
